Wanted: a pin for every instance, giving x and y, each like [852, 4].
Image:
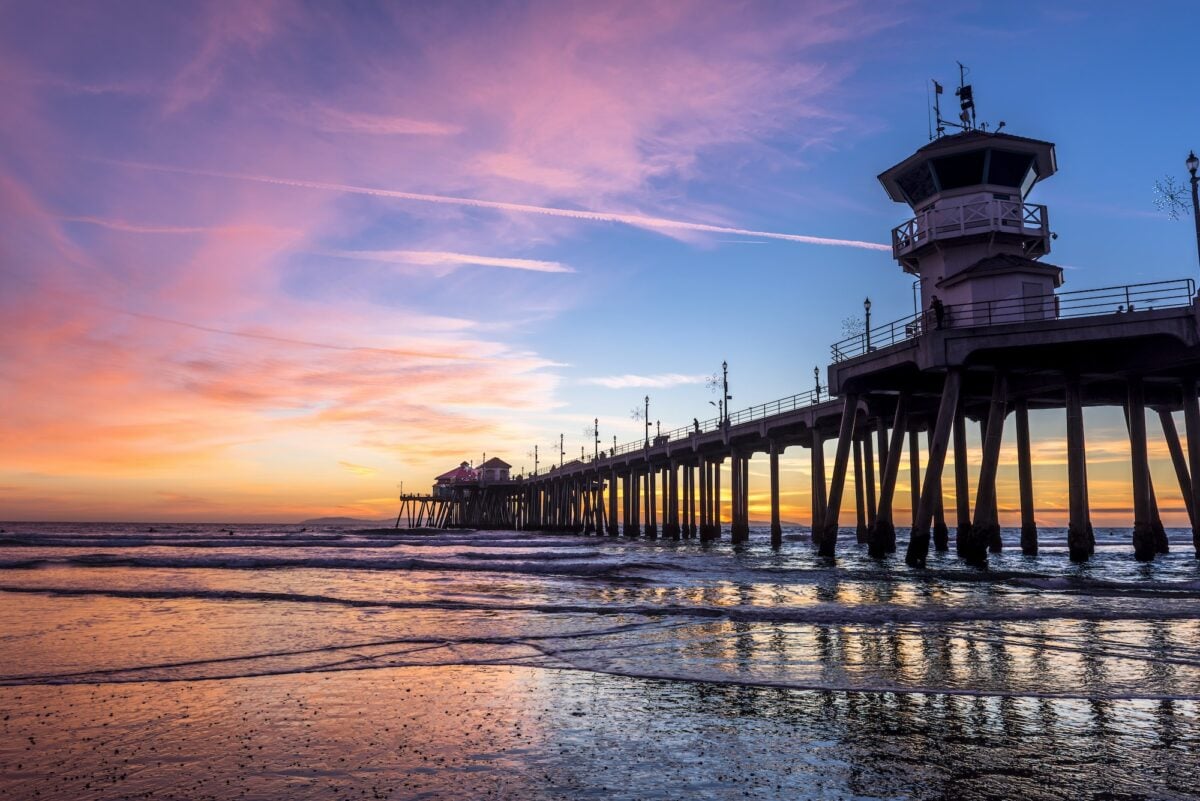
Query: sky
[270, 261]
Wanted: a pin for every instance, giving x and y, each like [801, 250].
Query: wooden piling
[986, 527]
[881, 538]
[1029, 534]
[817, 461]
[918, 541]
[833, 508]
[962, 489]
[776, 526]
[860, 512]
[1079, 547]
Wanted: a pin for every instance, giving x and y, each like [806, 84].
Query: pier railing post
[918, 542]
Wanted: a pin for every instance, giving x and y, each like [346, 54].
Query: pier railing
[791, 403]
[1127, 299]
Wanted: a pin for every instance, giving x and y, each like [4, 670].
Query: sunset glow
[269, 261]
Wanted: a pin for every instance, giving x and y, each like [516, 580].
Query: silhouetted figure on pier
[939, 310]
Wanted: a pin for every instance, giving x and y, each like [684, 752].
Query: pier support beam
[1143, 533]
[1179, 462]
[651, 528]
[869, 481]
[829, 533]
[881, 538]
[1079, 544]
[776, 526]
[1029, 534]
[1191, 420]
[716, 499]
[671, 523]
[939, 441]
[612, 504]
[705, 492]
[986, 527]
[962, 489]
[941, 534]
[914, 471]
[860, 511]
[817, 461]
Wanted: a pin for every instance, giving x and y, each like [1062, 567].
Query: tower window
[1009, 169]
[917, 184]
[963, 169]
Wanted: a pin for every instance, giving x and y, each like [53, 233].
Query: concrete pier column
[671, 528]
[1029, 535]
[716, 499]
[941, 534]
[612, 504]
[939, 441]
[651, 527]
[739, 530]
[1161, 545]
[776, 527]
[914, 470]
[1179, 462]
[881, 538]
[692, 471]
[589, 506]
[746, 497]
[860, 511]
[1078, 545]
[817, 460]
[986, 527]
[1143, 534]
[1191, 420]
[625, 513]
[635, 502]
[829, 533]
[684, 491]
[962, 489]
[995, 544]
[869, 479]
[705, 484]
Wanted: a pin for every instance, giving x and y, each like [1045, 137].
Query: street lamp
[725, 390]
[596, 433]
[646, 417]
[1193, 164]
[561, 451]
[867, 324]
[817, 378]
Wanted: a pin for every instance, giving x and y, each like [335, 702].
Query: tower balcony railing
[981, 216]
[1127, 299]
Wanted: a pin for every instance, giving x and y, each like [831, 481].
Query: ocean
[263, 662]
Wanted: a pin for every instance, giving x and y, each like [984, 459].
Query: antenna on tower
[966, 103]
[966, 99]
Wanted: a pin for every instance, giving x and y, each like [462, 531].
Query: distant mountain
[342, 521]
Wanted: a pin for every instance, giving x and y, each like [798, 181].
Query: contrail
[639, 220]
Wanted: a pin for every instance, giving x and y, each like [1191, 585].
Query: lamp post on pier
[1193, 164]
[561, 451]
[867, 325]
[817, 378]
[646, 417]
[596, 433]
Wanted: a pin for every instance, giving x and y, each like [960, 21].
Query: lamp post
[614, 452]
[535, 459]
[561, 451]
[867, 325]
[646, 417]
[1193, 164]
[817, 379]
[725, 392]
[596, 434]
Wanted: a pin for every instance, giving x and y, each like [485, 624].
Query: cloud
[661, 224]
[358, 469]
[335, 120]
[447, 258]
[653, 381]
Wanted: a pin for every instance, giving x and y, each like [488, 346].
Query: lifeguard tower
[974, 240]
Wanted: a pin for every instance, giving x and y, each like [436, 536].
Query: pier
[995, 337]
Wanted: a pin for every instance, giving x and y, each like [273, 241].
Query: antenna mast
[966, 103]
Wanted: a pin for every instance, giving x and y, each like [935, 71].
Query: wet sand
[534, 733]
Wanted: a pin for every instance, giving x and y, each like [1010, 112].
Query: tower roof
[1004, 264]
[971, 158]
